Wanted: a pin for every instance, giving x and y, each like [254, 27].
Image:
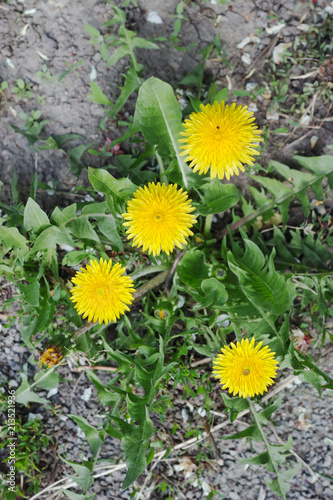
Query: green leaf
[11, 239]
[63, 138]
[93, 436]
[284, 194]
[84, 477]
[262, 285]
[158, 115]
[217, 198]
[132, 83]
[192, 269]
[282, 483]
[135, 440]
[76, 496]
[61, 217]
[215, 293]
[108, 227]
[51, 237]
[104, 182]
[252, 432]
[91, 30]
[34, 217]
[47, 379]
[97, 95]
[220, 96]
[195, 104]
[105, 395]
[24, 394]
[82, 228]
[75, 155]
[30, 292]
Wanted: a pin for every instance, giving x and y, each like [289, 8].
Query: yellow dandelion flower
[159, 218]
[51, 356]
[102, 293]
[161, 314]
[244, 369]
[221, 138]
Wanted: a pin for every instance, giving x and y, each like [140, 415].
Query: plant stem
[208, 225]
[263, 435]
[162, 169]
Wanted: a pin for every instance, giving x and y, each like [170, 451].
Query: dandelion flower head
[246, 369]
[101, 292]
[51, 356]
[221, 138]
[159, 218]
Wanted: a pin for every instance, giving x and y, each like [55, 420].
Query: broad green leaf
[215, 293]
[82, 228]
[74, 157]
[76, 257]
[30, 292]
[83, 478]
[24, 394]
[262, 285]
[158, 115]
[108, 227]
[104, 182]
[61, 139]
[47, 379]
[320, 166]
[75, 496]
[132, 83]
[97, 95]
[217, 198]
[221, 96]
[192, 269]
[282, 193]
[120, 52]
[51, 237]
[93, 436]
[135, 441]
[34, 217]
[282, 483]
[105, 395]
[11, 239]
[61, 217]
[91, 30]
[252, 432]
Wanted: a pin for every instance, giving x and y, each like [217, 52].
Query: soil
[51, 33]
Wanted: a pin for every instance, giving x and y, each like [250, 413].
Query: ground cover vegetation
[146, 278]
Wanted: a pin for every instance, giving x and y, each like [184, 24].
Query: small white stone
[153, 17]
[184, 415]
[303, 27]
[305, 120]
[246, 58]
[80, 433]
[93, 73]
[272, 114]
[10, 63]
[251, 86]
[202, 412]
[252, 107]
[29, 12]
[34, 416]
[278, 51]
[52, 392]
[247, 40]
[12, 383]
[274, 30]
[313, 141]
[86, 395]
